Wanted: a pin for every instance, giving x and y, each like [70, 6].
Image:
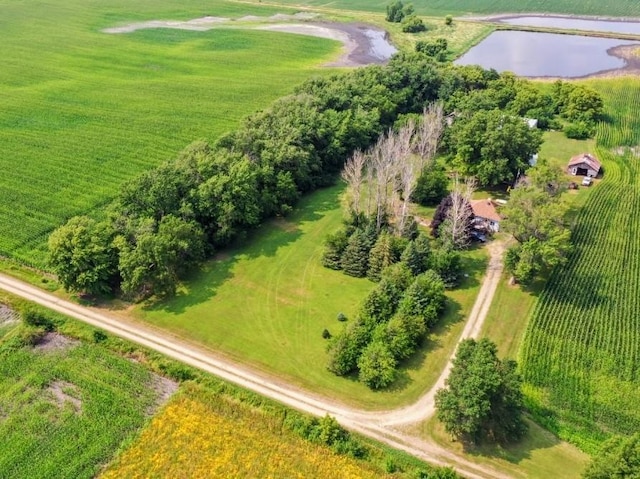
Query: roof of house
[485, 209]
[587, 158]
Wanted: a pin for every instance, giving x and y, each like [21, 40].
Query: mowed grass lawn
[267, 302]
[459, 7]
[83, 111]
[66, 409]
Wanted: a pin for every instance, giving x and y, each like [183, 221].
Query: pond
[379, 46]
[532, 54]
[568, 23]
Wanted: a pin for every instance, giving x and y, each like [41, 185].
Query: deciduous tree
[482, 399]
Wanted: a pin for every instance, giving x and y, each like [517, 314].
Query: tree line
[169, 219]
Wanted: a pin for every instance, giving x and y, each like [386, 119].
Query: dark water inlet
[532, 54]
[568, 23]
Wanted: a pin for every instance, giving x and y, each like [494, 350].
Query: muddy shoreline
[509, 16]
[363, 44]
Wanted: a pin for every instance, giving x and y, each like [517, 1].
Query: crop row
[582, 345]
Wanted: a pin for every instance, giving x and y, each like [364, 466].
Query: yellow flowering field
[195, 438]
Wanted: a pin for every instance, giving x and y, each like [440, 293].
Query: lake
[574, 24]
[532, 54]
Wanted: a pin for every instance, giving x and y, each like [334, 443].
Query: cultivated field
[66, 407]
[581, 353]
[458, 7]
[268, 300]
[83, 111]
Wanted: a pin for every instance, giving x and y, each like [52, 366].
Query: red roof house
[486, 215]
[584, 164]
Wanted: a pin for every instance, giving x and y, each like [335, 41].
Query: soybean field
[84, 110]
[581, 353]
[612, 8]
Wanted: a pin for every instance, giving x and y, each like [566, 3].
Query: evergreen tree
[345, 348]
[335, 244]
[355, 258]
[410, 229]
[381, 303]
[381, 256]
[447, 264]
[417, 255]
[424, 298]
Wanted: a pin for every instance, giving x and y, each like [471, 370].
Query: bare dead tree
[457, 227]
[408, 171]
[428, 133]
[353, 174]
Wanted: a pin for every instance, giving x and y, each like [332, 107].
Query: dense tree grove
[482, 399]
[171, 217]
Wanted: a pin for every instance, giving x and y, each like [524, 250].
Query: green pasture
[581, 348]
[83, 111]
[267, 301]
[618, 8]
[64, 411]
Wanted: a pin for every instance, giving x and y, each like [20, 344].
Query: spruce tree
[355, 258]
[381, 256]
[417, 255]
[335, 244]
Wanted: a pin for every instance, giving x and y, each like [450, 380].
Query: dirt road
[378, 425]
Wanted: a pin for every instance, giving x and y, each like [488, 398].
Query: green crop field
[267, 301]
[83, 111]
[65, 408]
[581, 353]
[618, 8]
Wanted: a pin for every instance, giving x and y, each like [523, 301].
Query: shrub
[578, 131]
[99, 336]
[448, 20]
[326, 334]
[413, 24]
[341, 317]
[36, 319]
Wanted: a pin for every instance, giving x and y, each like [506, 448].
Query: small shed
[486, 217]
[584, 164]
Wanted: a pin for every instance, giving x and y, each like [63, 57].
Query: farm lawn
[83, 111]
[539, 455]
[580, 354]
[267, 301]
[66, 407]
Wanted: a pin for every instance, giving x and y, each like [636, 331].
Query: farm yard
[83, 111]
[580, 355]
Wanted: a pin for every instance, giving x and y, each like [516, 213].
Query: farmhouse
[584, 164]
[486, 217]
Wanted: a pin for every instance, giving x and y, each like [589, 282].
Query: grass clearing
[83, 111]
[65, 407]
[267, 301]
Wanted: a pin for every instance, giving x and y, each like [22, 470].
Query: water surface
[379, 46]
[575, 24]
[532, 54]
